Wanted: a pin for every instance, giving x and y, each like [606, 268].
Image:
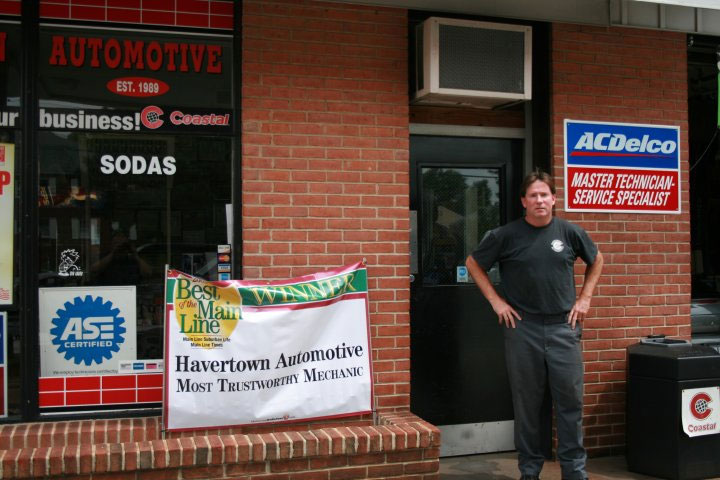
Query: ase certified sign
[621, 167]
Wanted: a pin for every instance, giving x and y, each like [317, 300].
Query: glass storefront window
[115, 209]
[11, 345]
[135, 142]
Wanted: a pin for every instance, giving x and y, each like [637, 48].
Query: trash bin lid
[680, 362]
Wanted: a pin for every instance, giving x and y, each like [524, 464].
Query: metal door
[460, 188]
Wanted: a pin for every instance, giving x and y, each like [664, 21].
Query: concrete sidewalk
[504, 466]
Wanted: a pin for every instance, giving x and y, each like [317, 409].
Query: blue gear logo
[88, 330]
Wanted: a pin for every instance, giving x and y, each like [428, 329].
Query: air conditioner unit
[465, 62]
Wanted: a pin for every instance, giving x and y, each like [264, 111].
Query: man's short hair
[533, 177]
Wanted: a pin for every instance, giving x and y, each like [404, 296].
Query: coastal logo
[557, 245]
[150, 117]
[88, 330]
[206, 312]
[700, 406]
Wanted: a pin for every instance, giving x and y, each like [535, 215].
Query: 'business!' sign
[620, 167]
[243, 352]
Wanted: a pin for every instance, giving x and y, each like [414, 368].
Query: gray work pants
[537, 352]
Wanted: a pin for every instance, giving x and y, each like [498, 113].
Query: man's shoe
[529, 477]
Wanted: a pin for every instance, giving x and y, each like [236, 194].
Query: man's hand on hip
[579, 311]
[505, 313]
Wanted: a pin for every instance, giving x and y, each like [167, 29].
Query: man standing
[543, 320]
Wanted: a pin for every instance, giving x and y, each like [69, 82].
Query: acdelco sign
[622, 145]
[618, 142]
[621, 167]
[151, 117]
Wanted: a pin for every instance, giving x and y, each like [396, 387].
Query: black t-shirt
[536, 263]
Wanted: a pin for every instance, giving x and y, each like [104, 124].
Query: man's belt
[548, 319]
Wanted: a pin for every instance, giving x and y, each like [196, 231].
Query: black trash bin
[659, 369]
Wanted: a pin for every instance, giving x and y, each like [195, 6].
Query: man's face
[538, 202]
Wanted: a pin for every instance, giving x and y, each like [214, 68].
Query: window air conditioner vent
[464, 62]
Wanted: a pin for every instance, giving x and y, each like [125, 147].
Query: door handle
[412, 278]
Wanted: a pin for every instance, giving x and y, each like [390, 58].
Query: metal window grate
[481, 59]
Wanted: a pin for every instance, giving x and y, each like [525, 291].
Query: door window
[459, 205]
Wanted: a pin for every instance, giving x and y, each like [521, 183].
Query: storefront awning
[690, 16]
[711, 4]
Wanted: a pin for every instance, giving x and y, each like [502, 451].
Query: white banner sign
[86, 330]
[701, 411]
[7, 208]
[240, 352]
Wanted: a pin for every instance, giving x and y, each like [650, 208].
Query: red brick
[422, 467]
[102, 458]
[116, 457]
[55, 460]
[131, 457]
[216, 471]
[367, 459]
[283, 466]
[241, 469]
[348, 473]
[404, 456]
[319, 475]
[318, 463]
[164, 474]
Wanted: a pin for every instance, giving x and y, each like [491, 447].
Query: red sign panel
[138, 87]
[619, 189]
[100, 390]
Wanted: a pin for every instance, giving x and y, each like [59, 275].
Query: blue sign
[622, 145]
[88, 330]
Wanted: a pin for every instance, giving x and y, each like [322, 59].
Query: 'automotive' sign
[619, 167]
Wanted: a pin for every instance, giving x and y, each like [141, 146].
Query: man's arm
[503, 310]
[582, 304]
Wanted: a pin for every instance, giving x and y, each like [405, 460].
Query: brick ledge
[217, 455]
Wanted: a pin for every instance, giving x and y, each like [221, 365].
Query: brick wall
[325, 159]
[635, 76]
